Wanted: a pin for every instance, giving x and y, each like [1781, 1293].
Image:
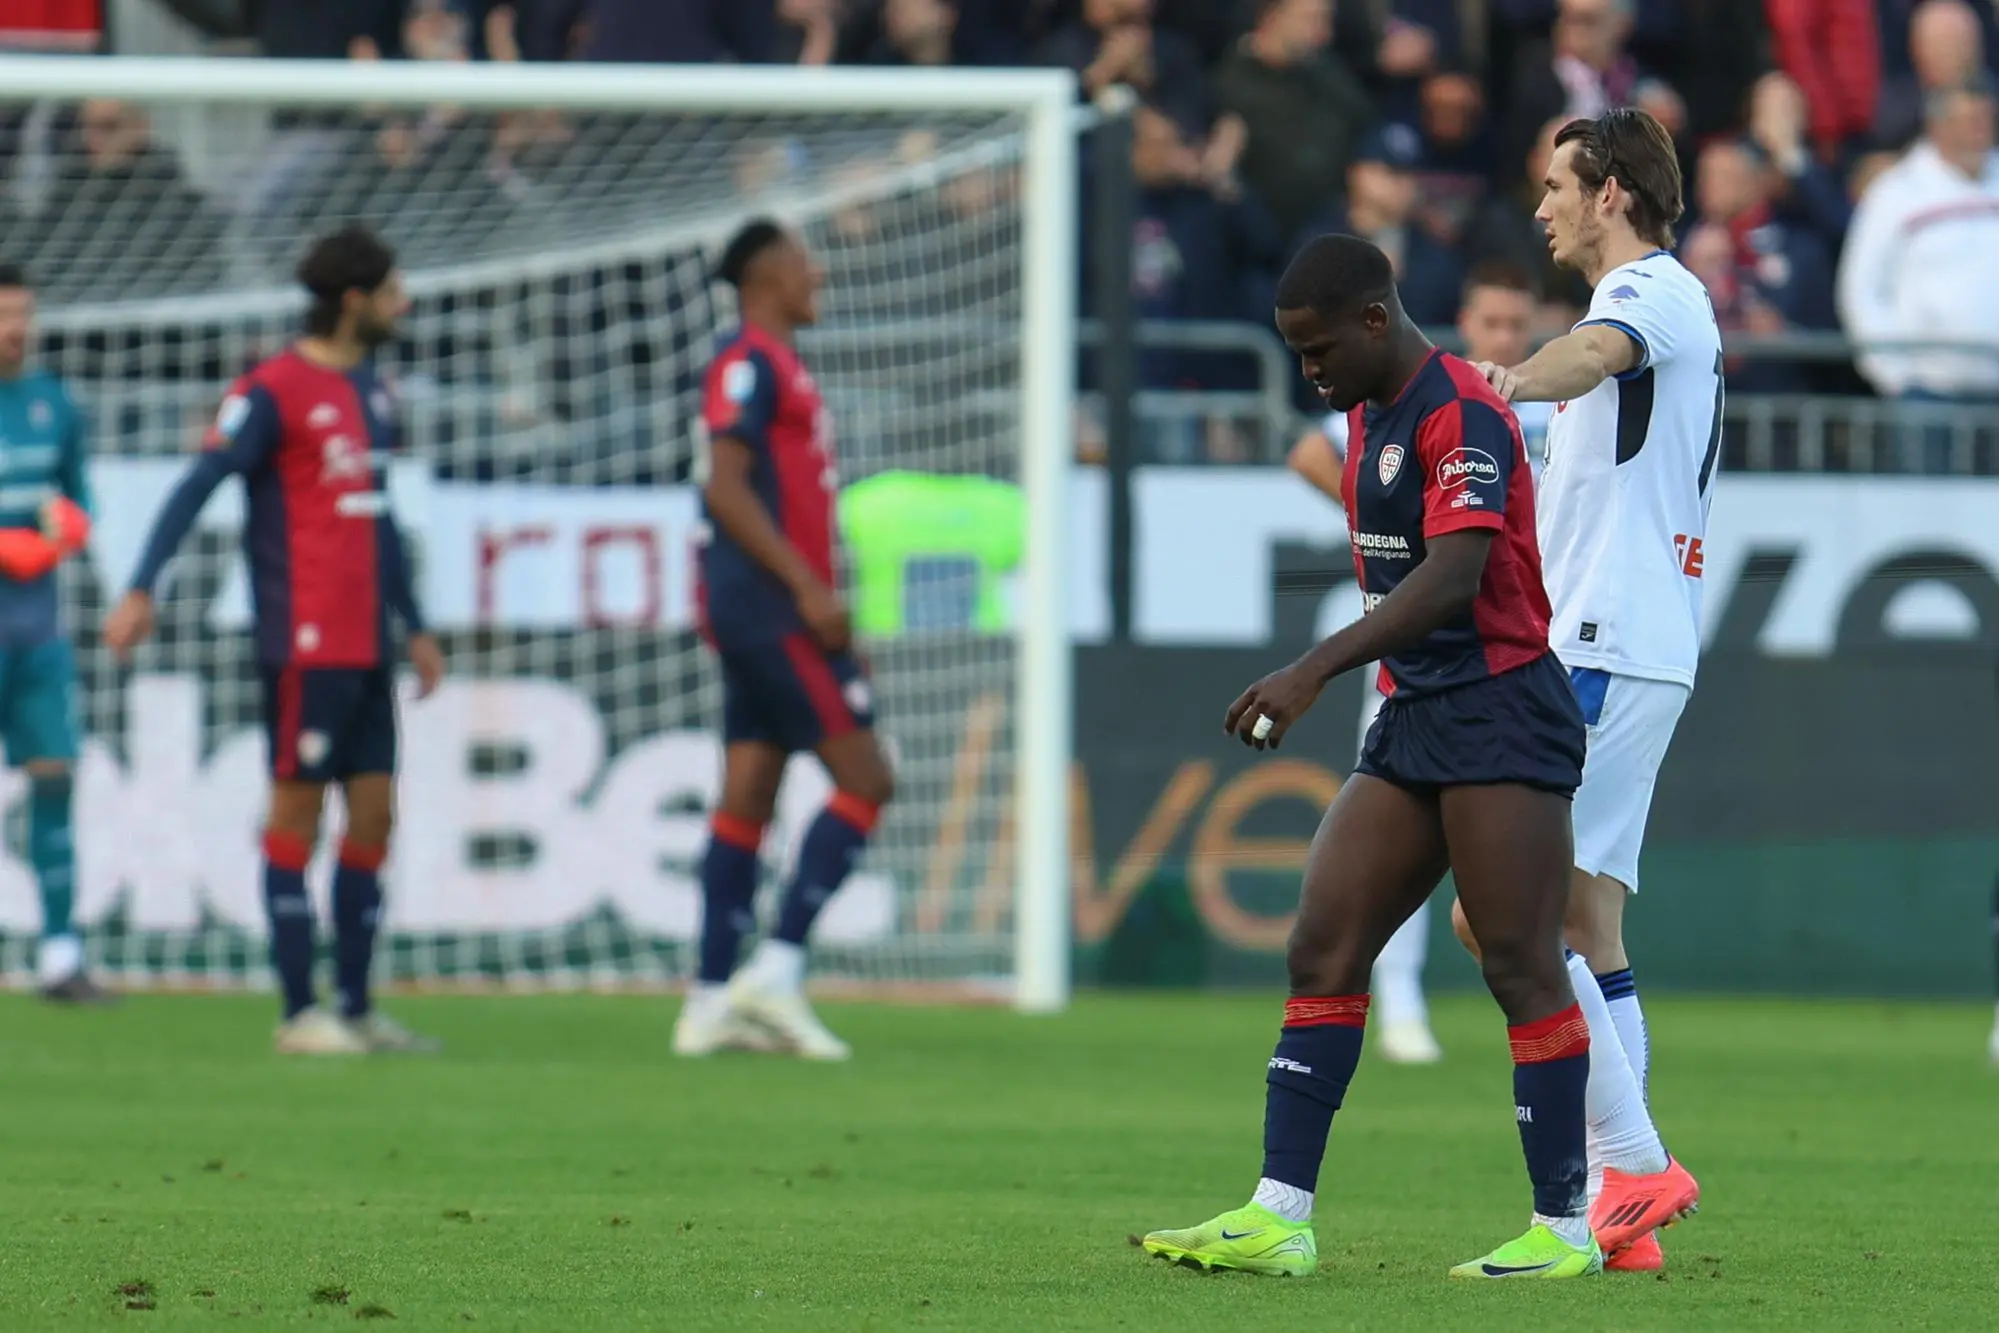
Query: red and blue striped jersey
[1445, 456]
[759, 392]
[327, 566]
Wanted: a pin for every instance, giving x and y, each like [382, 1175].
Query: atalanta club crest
[1391, 463]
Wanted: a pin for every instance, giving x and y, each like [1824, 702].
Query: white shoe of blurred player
[769, 991]
[1409, 1044]
[316, 1032]
[1992, 1047]
[384, 1035]
[707, 1024]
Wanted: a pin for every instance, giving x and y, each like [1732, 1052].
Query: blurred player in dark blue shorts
[790, 680]
[310, 432]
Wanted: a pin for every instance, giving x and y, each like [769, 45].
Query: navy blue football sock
[832, 845]
[728, 889]
[1550, 1077]
[290, 911]
[1307, 1080]
[357, 915]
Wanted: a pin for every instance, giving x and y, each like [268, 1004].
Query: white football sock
[1613, 1100]
[1595, 1149]
[1398, 973]
[778, 965]
[1574, 1230]
[1287, 1201]
[1625, 1011]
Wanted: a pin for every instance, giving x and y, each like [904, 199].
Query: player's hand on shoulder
[129, 624]
[427, 657]
[1280, 698]
[825, 614]
[1503, 381]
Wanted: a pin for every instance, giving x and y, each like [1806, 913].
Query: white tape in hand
[1261, 731]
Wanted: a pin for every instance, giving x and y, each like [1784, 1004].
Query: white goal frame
[1045, 99]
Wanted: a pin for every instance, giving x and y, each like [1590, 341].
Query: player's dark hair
[1499, 273]
[1631, 147]
[353, 259]
[13, 275]
[750, 240]
[1336, 275]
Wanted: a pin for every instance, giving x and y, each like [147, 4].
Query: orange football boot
[1641, 1256]
[1633, 1206]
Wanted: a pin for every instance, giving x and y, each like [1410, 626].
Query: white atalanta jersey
[1623, 501]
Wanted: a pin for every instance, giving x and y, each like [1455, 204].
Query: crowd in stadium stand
[1831, 147]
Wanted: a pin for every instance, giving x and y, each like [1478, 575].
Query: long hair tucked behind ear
[1633, 148]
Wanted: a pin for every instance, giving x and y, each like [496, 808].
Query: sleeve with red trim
[1468, 450]
[742, 399]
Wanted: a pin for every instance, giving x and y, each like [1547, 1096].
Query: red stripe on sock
[1318, 1011]
[851, 810]
[1556, 1037]
[737, 832]
[286, 851]
[363, 856]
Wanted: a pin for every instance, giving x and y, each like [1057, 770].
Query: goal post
[558, 226]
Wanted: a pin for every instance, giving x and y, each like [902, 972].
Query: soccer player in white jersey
[1495, 319]
[1622, 509]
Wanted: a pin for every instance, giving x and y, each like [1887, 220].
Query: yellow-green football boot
[1539, 1253]
[1252, 1239]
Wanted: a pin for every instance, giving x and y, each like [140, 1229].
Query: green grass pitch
[971, 1169]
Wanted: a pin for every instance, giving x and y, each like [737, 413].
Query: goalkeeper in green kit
[43, 520]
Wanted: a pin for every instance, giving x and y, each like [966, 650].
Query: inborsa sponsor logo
[1462, 465]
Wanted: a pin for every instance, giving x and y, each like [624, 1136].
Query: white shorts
[1631, 723]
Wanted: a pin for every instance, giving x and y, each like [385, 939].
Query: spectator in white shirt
[1922, 260]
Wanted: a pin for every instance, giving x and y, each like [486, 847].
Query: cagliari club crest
[1391, 462]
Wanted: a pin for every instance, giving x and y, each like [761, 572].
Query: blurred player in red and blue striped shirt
[791, 682]
[310, 432]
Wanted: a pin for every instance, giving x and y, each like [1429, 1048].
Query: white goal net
[559, 250]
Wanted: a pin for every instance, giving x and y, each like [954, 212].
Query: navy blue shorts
[1523, 726]
[328, 724]
[792, 693]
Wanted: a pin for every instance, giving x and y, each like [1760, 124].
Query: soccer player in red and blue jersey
[1470, 767]
[791, 682]
[310, 432]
